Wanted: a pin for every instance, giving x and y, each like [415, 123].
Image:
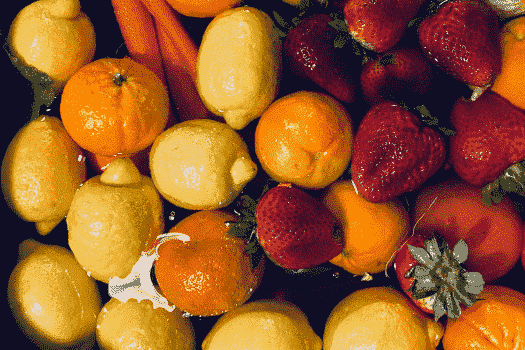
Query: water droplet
[172, 216]
[186, 315]
[89, 273]
[336, 274]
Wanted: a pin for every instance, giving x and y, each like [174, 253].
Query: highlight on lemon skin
[53, 299]
[41, 172]
[113, 218]
[201, 164]
[53, 36]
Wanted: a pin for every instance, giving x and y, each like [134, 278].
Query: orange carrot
[138, 31]
[176, 33]
[181, 84]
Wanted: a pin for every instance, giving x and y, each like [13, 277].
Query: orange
[114, 106]
[497, 322]
[509, 83]
[202, 8]
[373, 231]
[305, 138]
[211, 273]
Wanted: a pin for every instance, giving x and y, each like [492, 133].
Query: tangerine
[305, 138]
[211, 273]
[202, 8]
[494, 322]
[509, 83]
[373, 231]
[114, 106]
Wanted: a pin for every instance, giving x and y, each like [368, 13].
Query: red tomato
[494, 234]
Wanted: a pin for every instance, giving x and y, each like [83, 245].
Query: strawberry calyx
[428, 119]
[246, 226]
[309, 8]
[426, 11]
[306, 8]
[511, 181]
[440, 274]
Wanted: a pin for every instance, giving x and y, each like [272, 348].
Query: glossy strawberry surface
[393, 153]
[462, 38]
[490, 137]
[311, 53]
[379, 24]
[295, 229]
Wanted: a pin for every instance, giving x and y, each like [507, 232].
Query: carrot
[176, 33]
[138, 31]
[181, 84]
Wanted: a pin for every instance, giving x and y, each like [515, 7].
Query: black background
[316, 294]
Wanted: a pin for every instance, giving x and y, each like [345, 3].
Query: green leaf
[475, 282]
[460, 252]
[421, 272]
[447, 131]
[439, 307]
[420, 255]
[341, 40]
[339, 25]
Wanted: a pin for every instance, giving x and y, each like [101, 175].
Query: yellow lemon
[138, 325]
[239, 65]
[200, 164]
[113, 218]
[270, 324]
[380, 318]
[55, 37]
[52, 297]
[41, 171]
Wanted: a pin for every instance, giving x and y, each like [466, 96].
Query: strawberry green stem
[511, 181]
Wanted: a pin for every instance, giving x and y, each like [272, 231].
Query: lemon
[380, 318]
[265, 325]
[239, 65]
[52, 297]
[41, 171]
[200, 164]
[113, 218]
[138, 325]
[55, 37]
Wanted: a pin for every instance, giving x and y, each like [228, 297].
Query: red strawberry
[397, 75]
[379, 24]
[393, 153]
[489, 144]
[461, 38]
[296, 230]
[433, 277]
[311, 53]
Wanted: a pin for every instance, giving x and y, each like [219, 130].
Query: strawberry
[488, 148]
[295, 230]
[393, 153]
[432, 275]
[461, 38]
[310, 51]
[379, 24]
[396, 75]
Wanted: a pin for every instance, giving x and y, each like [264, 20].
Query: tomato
[494, 234]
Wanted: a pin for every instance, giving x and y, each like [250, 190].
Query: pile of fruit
[278, 174]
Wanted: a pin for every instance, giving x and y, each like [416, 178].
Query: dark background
[315, 294]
